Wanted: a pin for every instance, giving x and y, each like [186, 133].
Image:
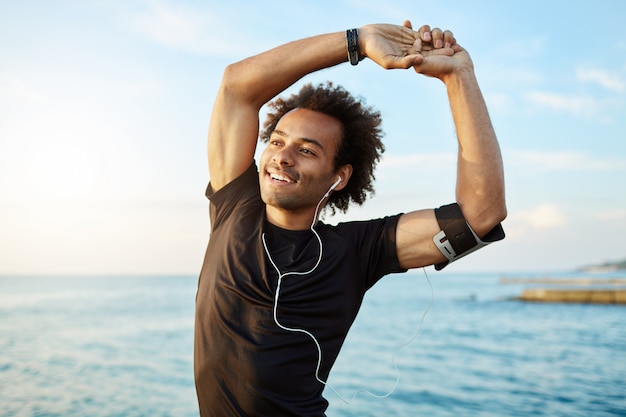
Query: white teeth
[279, 178]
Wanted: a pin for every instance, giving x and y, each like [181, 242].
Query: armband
[456, 238]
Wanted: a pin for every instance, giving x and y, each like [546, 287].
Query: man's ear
[344, 172]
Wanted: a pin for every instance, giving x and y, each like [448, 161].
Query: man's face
[297, 166]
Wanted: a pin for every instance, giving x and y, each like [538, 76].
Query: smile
[281, 178]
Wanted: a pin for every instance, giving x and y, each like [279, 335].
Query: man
[278, 289]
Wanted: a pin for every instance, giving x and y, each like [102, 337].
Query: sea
[425, 344]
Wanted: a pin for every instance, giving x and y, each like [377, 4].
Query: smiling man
[278, 289]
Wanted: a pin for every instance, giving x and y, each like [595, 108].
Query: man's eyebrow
[306, 140]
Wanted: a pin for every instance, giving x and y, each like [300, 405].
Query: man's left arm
[480, 176]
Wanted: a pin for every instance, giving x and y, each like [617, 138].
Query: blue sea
[123, 346]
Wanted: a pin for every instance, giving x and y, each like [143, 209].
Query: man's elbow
[499, 215]
[484, 216]
[240, 84]
[231, 78]
[492, 217]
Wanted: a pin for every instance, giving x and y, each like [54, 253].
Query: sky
[105, 105]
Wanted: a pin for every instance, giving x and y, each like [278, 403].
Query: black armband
[457, 238]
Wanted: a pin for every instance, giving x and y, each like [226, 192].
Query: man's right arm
[246, 86]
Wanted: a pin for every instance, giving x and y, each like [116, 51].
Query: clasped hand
[432, 52]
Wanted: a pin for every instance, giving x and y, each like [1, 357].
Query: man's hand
[442, 55]
[392, 46]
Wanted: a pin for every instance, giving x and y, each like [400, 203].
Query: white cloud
[500, 102]
[426, 161]
[545, 216]
[583, 104]
[577, 105]
[179, 28]
[539, 218]
[196, 29]
[523, 48]
[13, 88]
[534, 161]
[609, 80]
[612, 215]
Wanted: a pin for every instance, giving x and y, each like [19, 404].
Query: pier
[599, 296]
[598, 291]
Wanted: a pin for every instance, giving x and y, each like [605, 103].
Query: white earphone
[332, 187]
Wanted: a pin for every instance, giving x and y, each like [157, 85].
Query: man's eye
[307, 151]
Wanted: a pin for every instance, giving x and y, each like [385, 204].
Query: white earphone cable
[317, 344]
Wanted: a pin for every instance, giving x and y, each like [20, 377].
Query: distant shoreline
[564, 281]
[604, 267]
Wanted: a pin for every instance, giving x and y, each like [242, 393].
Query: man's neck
[289, 219]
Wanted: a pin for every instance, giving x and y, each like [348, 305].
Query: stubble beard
[287, 202]
[295, 201]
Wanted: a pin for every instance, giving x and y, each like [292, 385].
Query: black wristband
[352, 42]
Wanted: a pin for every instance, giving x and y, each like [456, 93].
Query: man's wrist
[352, 46]
[459, 77]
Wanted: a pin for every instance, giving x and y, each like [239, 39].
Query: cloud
[609, 80]
[543, 217]
[583, 104]
[195, 29]
[523, 48]
[618, 214]
[175, 27]
[497, 101]
[577, 105]
[13, 88]
[537, 161]
[428, 161]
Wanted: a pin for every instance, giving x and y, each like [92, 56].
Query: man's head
[297, 166]
[360, 145]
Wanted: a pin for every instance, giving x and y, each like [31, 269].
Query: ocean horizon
[442, 344]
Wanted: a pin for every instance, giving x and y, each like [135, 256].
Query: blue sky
[104, 109]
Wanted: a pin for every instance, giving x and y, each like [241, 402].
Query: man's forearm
[480, 177]
[261, 77]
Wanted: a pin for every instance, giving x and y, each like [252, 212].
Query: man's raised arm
[480, 178]
[246, 86]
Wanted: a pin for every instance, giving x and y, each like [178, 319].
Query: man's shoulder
[248, 180]
[364, 223]
[362, 227]
[239, 200]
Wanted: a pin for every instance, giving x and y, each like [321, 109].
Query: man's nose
[284, 156]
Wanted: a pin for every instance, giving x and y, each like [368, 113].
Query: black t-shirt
[245, 363]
